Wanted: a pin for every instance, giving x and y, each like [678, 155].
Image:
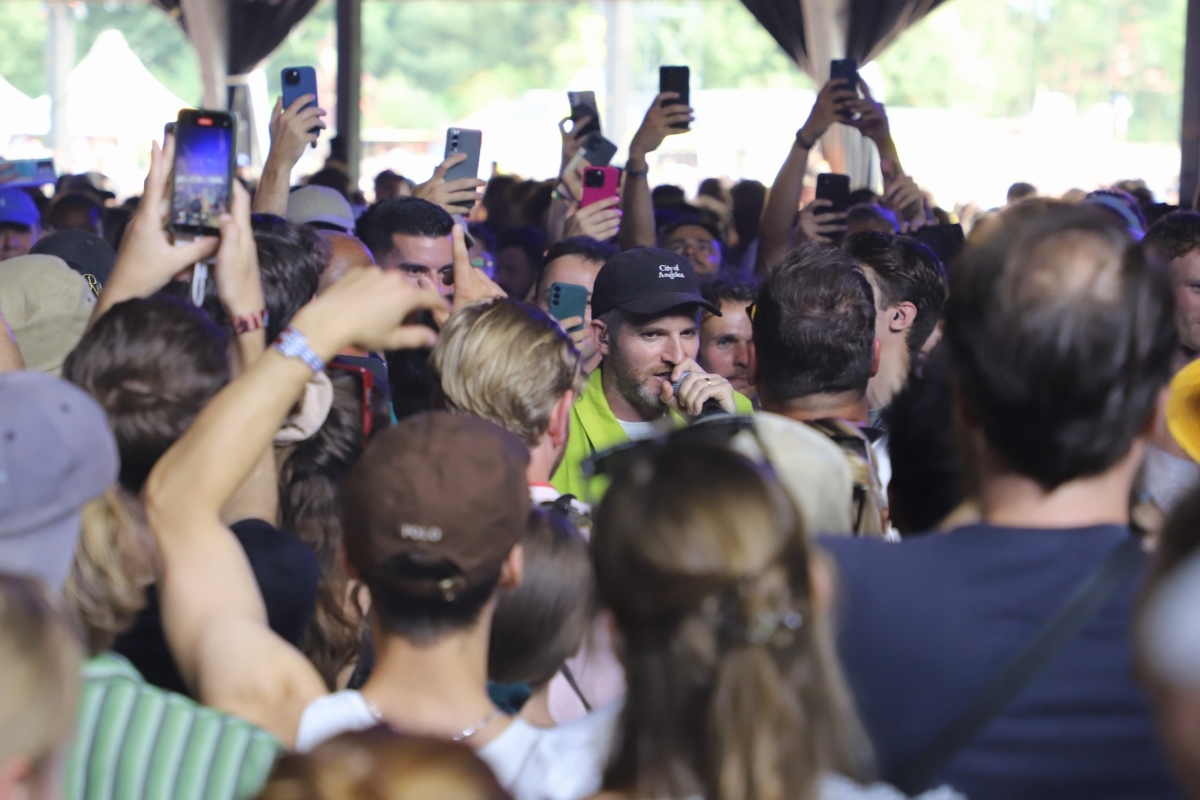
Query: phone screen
[203, 172]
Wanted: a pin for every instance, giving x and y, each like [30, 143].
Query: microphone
[711, 407]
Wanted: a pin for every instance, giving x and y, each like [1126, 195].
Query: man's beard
[637, 392]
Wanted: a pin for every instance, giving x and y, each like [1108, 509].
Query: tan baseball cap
[435, 504]
[47, 304]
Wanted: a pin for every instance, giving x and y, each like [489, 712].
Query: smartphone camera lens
[593, 179]
[291, 77]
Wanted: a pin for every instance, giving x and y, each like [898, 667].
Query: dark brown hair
[1060, 337]
[310, 505]
[734, 692]
[541, 623]
[152, 364]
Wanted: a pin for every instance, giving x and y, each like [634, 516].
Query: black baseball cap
[85, 252]
[647, 280]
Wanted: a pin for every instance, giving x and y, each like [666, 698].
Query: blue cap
[18, 208]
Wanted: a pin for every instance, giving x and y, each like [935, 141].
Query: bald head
[346, 253]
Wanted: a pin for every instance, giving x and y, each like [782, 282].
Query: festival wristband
[293, 344]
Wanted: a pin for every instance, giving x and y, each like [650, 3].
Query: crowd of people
[852, 504]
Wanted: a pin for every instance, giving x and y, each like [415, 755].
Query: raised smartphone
[678, 80]
[599, 183]
[298, 81]
[205, 160]
[583, 104]
[568, 300]
[845, 69]
[836, 189]
[598, 151]
[29, 172]
[463, 140]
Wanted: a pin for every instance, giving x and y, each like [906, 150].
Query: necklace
[465, 733]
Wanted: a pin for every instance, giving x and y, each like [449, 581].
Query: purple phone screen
[201, 175]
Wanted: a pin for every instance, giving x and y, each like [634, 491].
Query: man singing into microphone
[646, 324]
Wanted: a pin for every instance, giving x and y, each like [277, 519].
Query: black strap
[1083, 603]
[570, 676]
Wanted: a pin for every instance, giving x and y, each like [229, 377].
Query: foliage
[427, 62]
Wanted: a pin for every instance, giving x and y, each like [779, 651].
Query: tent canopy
[111, 94]
[23, 116]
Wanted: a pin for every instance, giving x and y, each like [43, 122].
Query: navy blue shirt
[924, 625]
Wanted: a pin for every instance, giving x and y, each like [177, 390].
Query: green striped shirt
[134, 741]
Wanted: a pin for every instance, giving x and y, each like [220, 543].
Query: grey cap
[56, 454]
[310, 204]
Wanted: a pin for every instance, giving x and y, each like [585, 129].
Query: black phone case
[598, 151]
[678, 80]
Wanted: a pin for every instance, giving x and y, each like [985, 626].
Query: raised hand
[821, 227]
[456, 196]
[600, 220]
[471, 284]
[148, 257]
[829, 108]
[658, 125]
[291, 129]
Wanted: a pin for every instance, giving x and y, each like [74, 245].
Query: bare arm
[783, 202]
[289, 136]
[637, 224]
[213, 614]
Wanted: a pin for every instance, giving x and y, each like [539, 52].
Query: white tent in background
[111, 94]
[23, 116]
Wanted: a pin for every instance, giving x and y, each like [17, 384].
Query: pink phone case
[610, 187]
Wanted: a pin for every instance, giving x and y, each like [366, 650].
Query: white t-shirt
[637, 431]
[563, 763]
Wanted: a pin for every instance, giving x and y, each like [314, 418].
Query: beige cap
[47, 305]
[810, 468]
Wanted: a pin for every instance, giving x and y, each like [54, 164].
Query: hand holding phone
[568, 300]
[835, 189]
[298, 82]
[846, 71]
[27, 172]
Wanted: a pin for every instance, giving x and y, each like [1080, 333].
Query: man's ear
[875, 357]
[901, 317]
[600, 337]
[560, 418]
[512, 572]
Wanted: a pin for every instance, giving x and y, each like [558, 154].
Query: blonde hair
[378, 764]
[733, 687]
[40, 661]
[115, 561]
[508, 363]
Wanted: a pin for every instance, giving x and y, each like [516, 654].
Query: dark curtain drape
[875, 23]
[870, 26]
[247, 32]
[784, 20]
[255, 29]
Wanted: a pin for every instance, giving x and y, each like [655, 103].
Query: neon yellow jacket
[594, 429]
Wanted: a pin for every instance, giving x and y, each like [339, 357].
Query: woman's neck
[536, 710]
